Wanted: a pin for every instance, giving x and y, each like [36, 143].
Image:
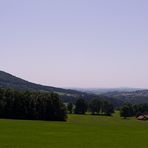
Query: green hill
[9, 81]
[67, 95]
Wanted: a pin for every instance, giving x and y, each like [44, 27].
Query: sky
[76, 43]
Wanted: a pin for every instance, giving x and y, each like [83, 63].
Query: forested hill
[135, 97]
[66, 95]
[9, 81]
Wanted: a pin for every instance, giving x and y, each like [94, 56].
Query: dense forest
[31, 105]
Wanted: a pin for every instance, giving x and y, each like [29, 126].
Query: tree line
[129, 110]
[47, 106]
[31, 105]
[95, 106]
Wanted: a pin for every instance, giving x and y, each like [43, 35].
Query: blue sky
[76, 43]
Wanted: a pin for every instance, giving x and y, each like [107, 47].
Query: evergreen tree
[126, 110]
[31, 105]
[80, 106]
[70, 108]
[95, 106]
[107, 108]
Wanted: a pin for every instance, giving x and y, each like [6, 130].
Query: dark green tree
[70, 108]
[107, 108]
[95, 106]
[126, 110]
[31, 105]
[80, 106]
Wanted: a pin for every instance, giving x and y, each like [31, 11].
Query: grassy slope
[79, 132]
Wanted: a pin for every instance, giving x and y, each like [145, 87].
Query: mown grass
[79, 132]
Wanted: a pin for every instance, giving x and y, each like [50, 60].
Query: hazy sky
[76, 43]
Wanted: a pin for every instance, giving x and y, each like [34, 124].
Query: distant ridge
[9, 81]
[99, 91]
[67, 95]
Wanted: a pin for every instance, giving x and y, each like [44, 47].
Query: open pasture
[80, 131]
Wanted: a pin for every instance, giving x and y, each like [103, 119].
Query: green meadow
[80, 131]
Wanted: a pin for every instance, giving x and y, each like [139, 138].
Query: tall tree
[95, 106]
[126, 110]
[107, 108]
[80, 106]
[29, 105]
[70, 108]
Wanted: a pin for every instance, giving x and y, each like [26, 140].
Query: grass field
[79, 132]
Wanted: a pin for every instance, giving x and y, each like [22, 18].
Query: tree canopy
[31, 105]
[80, 106]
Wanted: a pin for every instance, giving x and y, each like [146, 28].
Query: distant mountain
[9, 81]
[135, 97]
[106, 90]
[120, 95]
